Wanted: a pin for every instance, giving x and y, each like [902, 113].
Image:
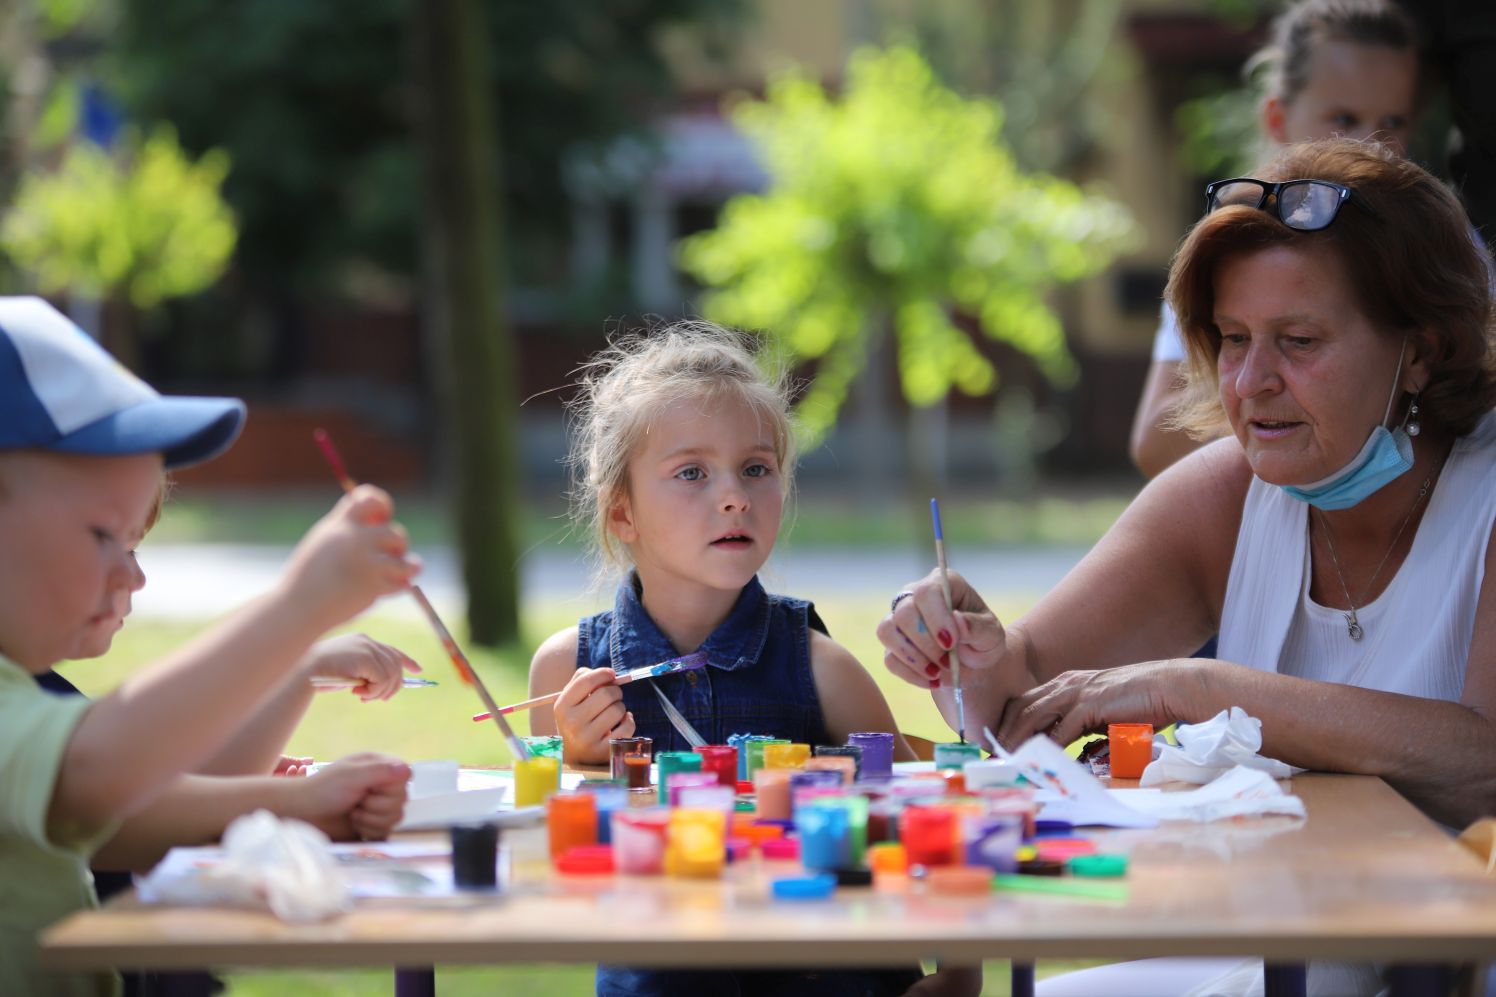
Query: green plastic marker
[1077, 888]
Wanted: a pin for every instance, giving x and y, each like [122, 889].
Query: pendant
[1352, 627]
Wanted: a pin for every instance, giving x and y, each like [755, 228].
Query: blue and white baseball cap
[60, 390]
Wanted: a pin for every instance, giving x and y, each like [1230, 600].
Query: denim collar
[736, 643]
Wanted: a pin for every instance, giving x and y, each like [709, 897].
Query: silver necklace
[1352, 626]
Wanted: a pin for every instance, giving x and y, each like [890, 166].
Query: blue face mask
[1385, 457]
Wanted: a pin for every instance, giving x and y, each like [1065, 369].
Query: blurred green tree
[131, 228]
[314, 103]
[892, 209]
[340, 120]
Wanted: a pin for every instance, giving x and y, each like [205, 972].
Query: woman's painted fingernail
[931, 671]
[934, 683]
[945, 661]
[945, 639]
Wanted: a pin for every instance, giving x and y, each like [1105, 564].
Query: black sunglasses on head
[1303, 205]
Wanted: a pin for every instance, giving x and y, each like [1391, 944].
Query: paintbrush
[689, 662]
[459, 660]
[945, 585]
[409, 682]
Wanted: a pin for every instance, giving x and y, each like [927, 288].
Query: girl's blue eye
[690, 474]
[756, 470]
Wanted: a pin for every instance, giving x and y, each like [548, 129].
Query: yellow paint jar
[535, 779]
[695, 844]
[786, 756]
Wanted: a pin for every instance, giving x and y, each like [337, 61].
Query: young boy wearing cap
[83, 445]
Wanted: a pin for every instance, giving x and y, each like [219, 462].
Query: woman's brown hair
[1408, 251]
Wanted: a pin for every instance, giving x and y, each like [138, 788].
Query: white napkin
[1210, 749]
[265, 861]
[1240, 792]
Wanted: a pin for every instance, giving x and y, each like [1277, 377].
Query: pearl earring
[1413, 427]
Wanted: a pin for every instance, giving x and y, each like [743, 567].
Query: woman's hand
[376, 670]
[919, 632]
[1082, 702]
[589, 712]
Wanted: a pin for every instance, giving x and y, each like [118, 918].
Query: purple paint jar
[877, 754]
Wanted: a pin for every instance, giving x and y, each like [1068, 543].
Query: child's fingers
[626, 728]
[368, 504]
[583, 683]
[600, 728]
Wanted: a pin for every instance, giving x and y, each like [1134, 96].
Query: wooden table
[1367, 877]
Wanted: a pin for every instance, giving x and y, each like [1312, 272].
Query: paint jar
[546, 745]
[785, 756]
[535, 778]
[475, 856]
[888, 857]
[713, 797]
[851, 751]
[607, 796]
[928, 835]
[845, 765]
[877, 753]
[857, 808]
[992, 840]
[772, 788]
[756, 753]
[1131, 749]
[1017, 800]
[991, 772]
[677, 781]
[629, 758]
[571, 820]
[807, 786]
[955, 754]
[741, 741]
[639, 840]
[882, 821]
[696, 843]
[722, 761]
[669, 763]
[824, 840]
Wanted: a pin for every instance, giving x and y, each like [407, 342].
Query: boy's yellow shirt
[45, 878]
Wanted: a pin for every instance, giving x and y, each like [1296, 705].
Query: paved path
[199, 581]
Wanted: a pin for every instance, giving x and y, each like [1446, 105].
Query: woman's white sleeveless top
[1416, 633]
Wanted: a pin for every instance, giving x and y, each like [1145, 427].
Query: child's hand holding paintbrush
[590, 710]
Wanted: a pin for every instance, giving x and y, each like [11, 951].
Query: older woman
[1336, 315]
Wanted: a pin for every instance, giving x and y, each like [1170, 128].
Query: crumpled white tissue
[1208, 750]
[1240, 792]
[265, 861]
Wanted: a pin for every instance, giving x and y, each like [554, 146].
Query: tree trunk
[463, 243]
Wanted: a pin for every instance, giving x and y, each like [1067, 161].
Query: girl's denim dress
[757, 681]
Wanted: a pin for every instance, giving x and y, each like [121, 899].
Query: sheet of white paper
[1067, 791]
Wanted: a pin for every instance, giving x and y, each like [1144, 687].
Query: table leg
[420, 982]
[1023, 979]
[1284, 980]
